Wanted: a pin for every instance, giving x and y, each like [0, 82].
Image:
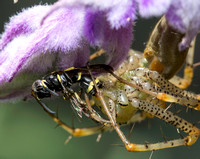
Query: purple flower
[183, 15]
[54, 37]
[29, 50]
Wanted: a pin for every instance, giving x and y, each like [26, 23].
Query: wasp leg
[192, 131]
[77, 103]
[42, 104]
[78, 132]
[74, 131]
[185, 82]
[94, 115]
[80, 105]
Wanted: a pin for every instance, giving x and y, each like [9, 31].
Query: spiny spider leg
[165, 90]
[155, 110]
[185, 82]
[192, 131]
[97, 54]
[107, 111]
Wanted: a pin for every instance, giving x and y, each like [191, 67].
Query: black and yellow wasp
[61, 82]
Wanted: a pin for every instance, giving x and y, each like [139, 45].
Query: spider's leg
[163, 89]
[97, 54]
[192, 131]
[107, 111]
[159, 112]
[185, 82]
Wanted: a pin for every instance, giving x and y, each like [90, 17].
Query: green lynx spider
[144, 82]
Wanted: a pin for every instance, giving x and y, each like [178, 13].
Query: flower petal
[35, 52]
[119, 13]
[149, 8]
[184, 16]
[20, 24]
[122, 13]
[116, 42]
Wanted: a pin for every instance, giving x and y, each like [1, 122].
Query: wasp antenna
[52, 92]
[46, 108]
[42, 104]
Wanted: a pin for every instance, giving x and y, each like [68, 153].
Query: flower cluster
[53, 37]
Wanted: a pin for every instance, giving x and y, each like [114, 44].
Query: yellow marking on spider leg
[198, 96]
[188, 72]
[192, 139]
[184, 83]
[166, 97]
[78, 132]
[169, 98]
[131, 147]
[198, 107]
[91, 85]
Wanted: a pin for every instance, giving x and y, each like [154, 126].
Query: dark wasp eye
[40, 90]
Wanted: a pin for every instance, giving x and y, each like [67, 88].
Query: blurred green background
[26, 131]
